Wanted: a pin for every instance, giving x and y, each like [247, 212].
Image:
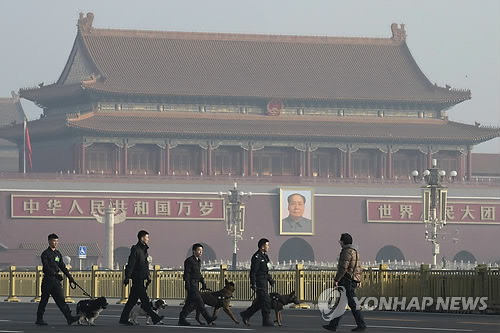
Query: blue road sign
[82, 252]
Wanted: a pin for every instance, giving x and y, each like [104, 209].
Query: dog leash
[253, 295]
[73, 285]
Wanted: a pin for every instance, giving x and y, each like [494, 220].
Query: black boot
[244, 318]
[210, 319]
[158, 320]
[183, 322]
[329, 328]
[40, 322]
[126, 322]
[71, 319]
[266, 321]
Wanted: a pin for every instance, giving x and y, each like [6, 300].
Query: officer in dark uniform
[192, 279]
[259, 278]
[51, 284]
[138, 270]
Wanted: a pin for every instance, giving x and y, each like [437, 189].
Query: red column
[203, 161]
[348, 163]
[117, 159]
[161, 160]
[244, 162]
[82, 158]
[250, 160]
[308, 162]
[460, 166]
[167, 160]
[302, 164]
[389, 163]
[429, 158]
[209, 160]
[341, 167]
[469, 164]
[125, 159]
[74, 163]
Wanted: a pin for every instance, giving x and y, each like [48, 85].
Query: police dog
[219, 299]
[278, 302]
[138, 311]
[89, 310]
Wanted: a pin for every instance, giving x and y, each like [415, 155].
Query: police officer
[51, 284]
[259, 278]
[138, 270]
[192, 279]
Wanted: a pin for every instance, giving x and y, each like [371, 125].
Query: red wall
[170, 240]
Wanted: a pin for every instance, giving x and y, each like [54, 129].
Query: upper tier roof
[11, 110]
[167, 63]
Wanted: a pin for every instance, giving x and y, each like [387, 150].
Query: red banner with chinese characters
[457, 211]
[139, 207]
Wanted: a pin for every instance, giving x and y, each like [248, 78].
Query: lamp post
[235, 217]
[434, 195]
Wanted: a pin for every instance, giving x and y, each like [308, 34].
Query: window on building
[143, 159]
[404, 162]
[185, 160]
[323, 163]
[226, 161]
[267, 162]
[447, 162]
[100, 158]
[363, 164]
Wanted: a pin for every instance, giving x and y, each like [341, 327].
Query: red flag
[27, 145]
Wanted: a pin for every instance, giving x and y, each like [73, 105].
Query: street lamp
[434, 195]
[235, 216]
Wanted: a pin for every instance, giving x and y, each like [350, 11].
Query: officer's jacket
[349, 264]
[138, 264]
[52, 263]
[259, 270]
[192, 272]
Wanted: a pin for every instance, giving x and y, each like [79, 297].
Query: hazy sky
[455, 42]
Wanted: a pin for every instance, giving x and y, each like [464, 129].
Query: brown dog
[219, 299]
[278, 302]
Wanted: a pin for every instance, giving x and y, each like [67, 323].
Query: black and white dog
[138, 311]
[89, 309]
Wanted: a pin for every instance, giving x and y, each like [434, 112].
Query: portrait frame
[308, 214]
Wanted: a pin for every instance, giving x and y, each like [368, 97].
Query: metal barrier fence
[307, 284]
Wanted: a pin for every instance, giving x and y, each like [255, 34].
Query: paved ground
[20, 317]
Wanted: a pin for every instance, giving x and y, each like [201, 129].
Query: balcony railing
[217, 179]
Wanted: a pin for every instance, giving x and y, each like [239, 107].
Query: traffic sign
[82, 252]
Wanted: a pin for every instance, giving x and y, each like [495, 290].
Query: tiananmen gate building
[155, 116]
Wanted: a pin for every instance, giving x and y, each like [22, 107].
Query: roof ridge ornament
[398, 32]
[85, 23]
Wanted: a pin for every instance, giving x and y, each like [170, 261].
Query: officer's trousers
[138, 291]
[52, 287]
[262, 302]
[194, 301]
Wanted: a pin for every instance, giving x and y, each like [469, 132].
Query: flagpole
[24, 147]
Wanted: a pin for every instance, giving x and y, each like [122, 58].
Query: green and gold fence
[307, 284]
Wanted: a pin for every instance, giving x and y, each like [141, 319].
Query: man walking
[192, 280]
[138, 270]
[348, 276]
[51, 284]
[259, 278]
